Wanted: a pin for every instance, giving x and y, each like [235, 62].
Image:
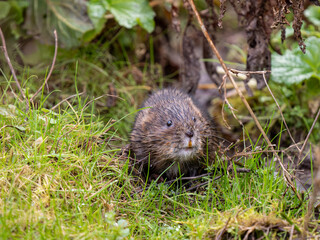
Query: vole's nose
[189, 133]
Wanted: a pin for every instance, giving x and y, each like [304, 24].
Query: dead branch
[283, 119]
[66, 99]
[316, 190]
[223, 230]
[11, 126]
[52, 65]
[309, 133]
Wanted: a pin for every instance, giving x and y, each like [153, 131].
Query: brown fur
[157, 145]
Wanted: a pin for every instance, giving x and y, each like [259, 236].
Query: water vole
[172, 131]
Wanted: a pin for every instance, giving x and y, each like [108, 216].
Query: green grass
[61, 177]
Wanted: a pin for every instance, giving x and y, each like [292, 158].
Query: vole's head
[173, 129]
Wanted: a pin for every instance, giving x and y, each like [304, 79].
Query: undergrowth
[59, 178]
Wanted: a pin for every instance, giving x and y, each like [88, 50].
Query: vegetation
[62, 174]
[61, 179]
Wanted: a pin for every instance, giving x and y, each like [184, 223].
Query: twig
[287, 176]
[309, 133]
[179, 179]
[316, 190]
[223, 230]
[5, 126]
[202, 184]
[11, 67]
[284, 120]
[235, 71]
[92, 100]
[244, 154]
[52, 65]
[224, 101]
[206, 34]
[66, 99]
[291, 232]
[190, 178]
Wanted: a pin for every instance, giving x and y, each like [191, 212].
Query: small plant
[296, 77]
[299, 77]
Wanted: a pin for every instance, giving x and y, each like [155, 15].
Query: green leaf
[313, 14]
[4, 9]
[294, 67]
[96, 12]
[17, 9]
[129, 13]
[69, 18]
[313, 85]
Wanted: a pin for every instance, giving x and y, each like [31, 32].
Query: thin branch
[223, 230]
[284, 120]
[11, 126]
[316, 190]
[287, 176]
[66, 99]
[206, 34]
[92, 100]
[202, 184]
[190, 178]
[309, 133]
[11, 67]
[235, 71]
[52, 65]
[223, 84]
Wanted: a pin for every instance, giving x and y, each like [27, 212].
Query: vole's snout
[189, 133]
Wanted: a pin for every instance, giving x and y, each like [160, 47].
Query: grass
[61, 177]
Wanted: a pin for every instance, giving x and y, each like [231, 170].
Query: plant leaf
[96, 12]
[4, 9]
[294, 67]
[17, 9]
[129, 13]
[69, 18]
[313, 14]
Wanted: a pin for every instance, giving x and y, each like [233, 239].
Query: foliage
[313, 15]
[60, 179]
[60, 176]
[307, 30]
[128, 13]
[76, 22]
[293, 66]
[69, 19]
[11, 13]
[296, 76]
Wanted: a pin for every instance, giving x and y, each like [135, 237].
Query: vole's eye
[169, 123]
[194, 119]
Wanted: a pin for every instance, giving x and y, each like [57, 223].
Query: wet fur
[157, 146]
